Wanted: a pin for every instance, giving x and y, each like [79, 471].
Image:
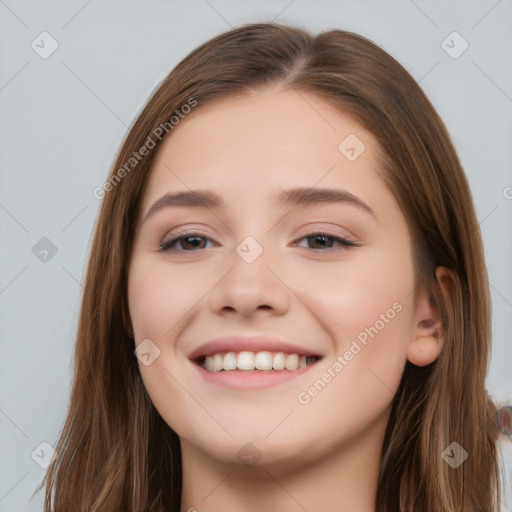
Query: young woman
[286, 304]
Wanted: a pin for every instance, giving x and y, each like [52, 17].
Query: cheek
[147, 297]
[366, 305]
[159, 299]
[351, 295]
[371, 320]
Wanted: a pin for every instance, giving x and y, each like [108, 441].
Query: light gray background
[63, 118]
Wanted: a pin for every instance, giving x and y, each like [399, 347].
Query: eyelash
[167, 245]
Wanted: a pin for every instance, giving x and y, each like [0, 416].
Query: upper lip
[258, 343]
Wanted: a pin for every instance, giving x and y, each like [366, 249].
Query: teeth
[245, 361]
[291, 362]
[278, 363]
[230, 361]
[208, 363]
[217, 362]
[263, 361]
[249, 361]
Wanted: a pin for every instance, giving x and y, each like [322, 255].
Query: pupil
[322, 239]
[197, 240]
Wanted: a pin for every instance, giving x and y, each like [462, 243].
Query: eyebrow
[292, 197]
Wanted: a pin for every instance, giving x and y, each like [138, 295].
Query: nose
[251, 289]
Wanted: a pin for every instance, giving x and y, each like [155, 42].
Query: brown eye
[320, 241]
[326, 241]
[185, 243]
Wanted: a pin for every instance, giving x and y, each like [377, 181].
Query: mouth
[263, 361]
[249, 371]
[252, 362]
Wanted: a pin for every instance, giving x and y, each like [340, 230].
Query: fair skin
[315, 456]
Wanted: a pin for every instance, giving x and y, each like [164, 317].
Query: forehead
[276, 119]
[265, 139]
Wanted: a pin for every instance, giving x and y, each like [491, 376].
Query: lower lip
[251, 380]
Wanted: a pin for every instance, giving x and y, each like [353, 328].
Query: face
[261, 266]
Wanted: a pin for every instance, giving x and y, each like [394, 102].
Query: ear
[428, 333]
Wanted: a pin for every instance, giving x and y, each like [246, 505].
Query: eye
[325, 241]
[189, 242]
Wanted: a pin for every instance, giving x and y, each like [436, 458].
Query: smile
[251, 361]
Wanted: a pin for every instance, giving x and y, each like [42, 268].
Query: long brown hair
[116, 453]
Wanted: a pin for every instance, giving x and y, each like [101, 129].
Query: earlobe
[428, 335]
